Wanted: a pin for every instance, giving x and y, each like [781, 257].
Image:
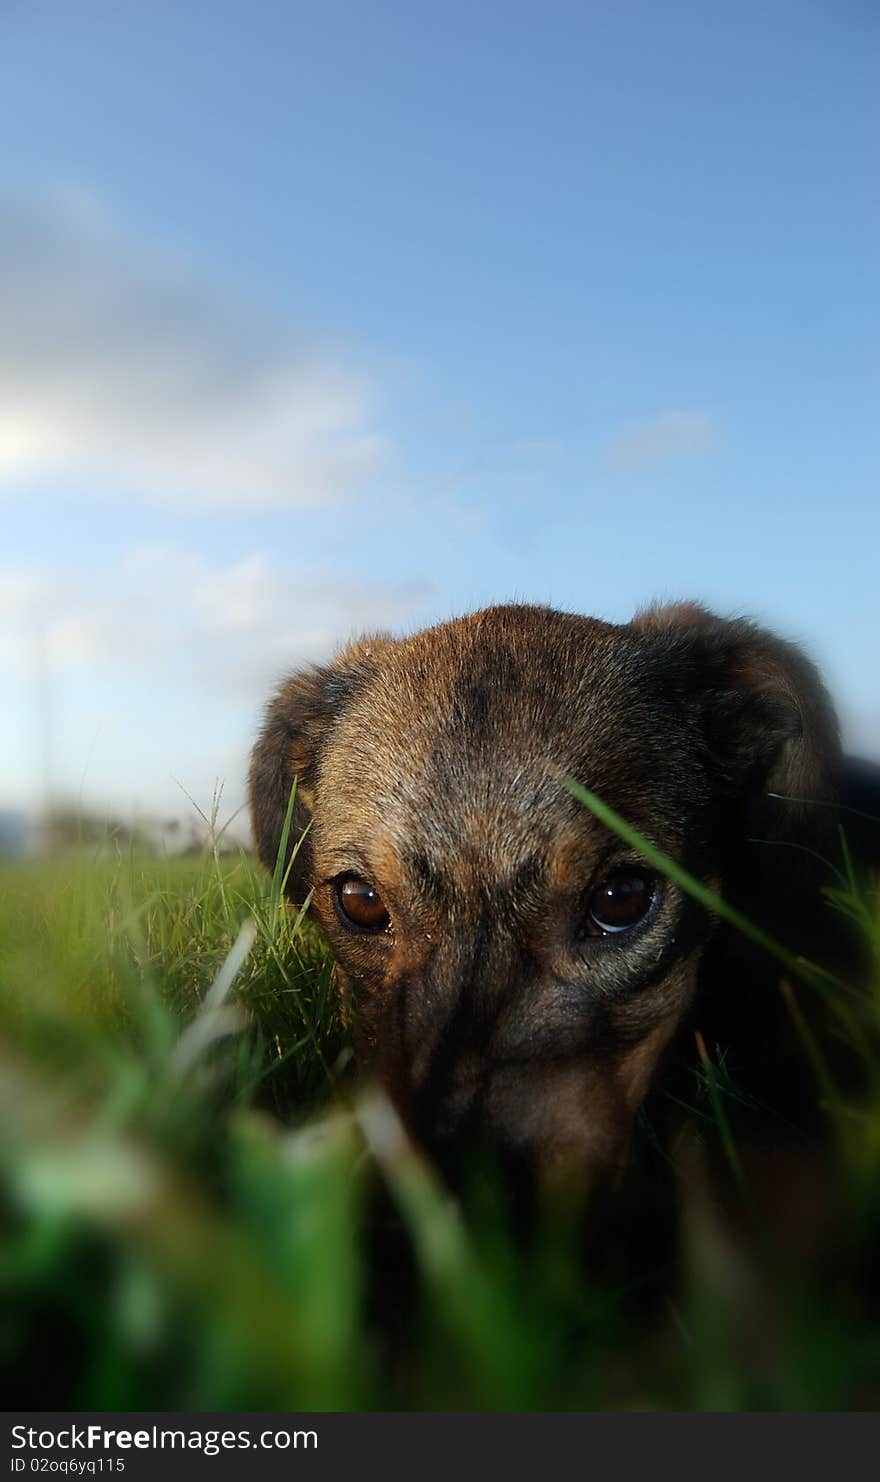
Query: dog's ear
[766, 718]
[297, 721]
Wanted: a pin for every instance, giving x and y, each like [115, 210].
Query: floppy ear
[768, 724]
[297, 721]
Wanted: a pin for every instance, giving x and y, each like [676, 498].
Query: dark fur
[434, 765]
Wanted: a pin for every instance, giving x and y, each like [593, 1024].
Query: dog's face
[515, 969]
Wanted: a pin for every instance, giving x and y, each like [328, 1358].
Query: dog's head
[515, 969]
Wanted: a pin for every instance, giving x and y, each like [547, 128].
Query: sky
[325, 317]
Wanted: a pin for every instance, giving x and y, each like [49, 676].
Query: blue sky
[323, 316]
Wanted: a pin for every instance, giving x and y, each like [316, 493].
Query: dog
[518, 973]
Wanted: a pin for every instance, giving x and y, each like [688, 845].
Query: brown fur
[433, 767]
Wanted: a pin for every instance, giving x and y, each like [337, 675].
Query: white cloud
[169, 617]
[661, 438]
[121, 363]
[117, 682]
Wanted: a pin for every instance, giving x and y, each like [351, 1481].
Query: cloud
[157, 667]
[659, 439]
[121, 363]
[232, 627]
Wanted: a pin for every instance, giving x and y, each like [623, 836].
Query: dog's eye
[622, 900]
[360, 904]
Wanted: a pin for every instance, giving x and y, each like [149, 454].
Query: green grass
[200, 1209]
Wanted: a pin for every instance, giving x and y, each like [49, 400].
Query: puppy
[517, 972]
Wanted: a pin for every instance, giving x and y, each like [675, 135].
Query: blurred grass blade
[241, 950]
[206, 1029]
[216, 1019]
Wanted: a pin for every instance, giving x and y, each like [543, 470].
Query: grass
[200, 1209]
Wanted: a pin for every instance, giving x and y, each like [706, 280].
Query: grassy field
[201, 1209]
